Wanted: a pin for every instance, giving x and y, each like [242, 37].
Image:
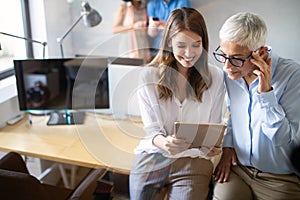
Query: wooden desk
[100, 142]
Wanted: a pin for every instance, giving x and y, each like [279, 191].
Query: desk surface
[100, 142]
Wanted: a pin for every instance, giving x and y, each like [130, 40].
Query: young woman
[178, 85]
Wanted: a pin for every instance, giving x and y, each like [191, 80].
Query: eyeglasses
[237, 62]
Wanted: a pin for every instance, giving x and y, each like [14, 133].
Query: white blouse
[159, 115]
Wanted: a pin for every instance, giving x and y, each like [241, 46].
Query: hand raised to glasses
[263, 70]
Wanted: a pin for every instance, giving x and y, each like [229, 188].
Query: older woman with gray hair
[264, 123]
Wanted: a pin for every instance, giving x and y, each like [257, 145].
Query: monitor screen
[62, 83]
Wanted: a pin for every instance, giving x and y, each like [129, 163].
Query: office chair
[17, 183]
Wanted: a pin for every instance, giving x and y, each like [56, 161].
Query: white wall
[58, 19]
[281, 16]
[61, 14]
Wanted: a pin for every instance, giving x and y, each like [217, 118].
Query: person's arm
[149, 109]
[156, 136]
[228, 137]
[118, 21]
[228, 158]
[280, 117]
[118, 26]
[153, 24]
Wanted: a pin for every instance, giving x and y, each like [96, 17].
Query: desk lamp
[90, 17]
[27, 39]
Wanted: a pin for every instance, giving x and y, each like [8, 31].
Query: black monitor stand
[66, 118]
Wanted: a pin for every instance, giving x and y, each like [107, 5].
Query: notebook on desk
[200, 134]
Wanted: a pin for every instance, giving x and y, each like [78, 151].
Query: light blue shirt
[161, 9]
[264, 128]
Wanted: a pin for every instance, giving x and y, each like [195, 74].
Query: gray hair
[245, 29]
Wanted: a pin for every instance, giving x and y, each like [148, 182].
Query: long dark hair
[199, 77]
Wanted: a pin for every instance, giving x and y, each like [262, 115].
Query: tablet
[200, 135]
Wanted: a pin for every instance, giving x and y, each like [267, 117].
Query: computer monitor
[63, 87]
[123, 87]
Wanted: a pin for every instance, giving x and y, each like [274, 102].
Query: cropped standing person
[264, 124]
[158, 12]
[131, 22]
[178, 85]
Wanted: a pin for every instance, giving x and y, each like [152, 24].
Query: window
[12, 23]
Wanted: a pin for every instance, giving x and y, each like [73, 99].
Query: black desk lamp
[90, 17]
[27, 39]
